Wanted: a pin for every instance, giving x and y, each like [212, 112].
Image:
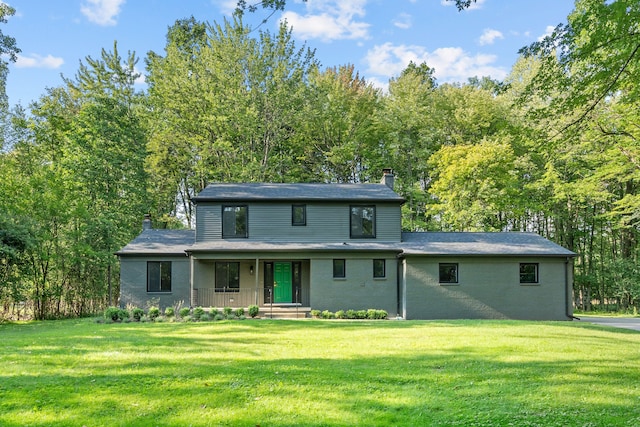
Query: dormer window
[363, 222]
[234, 221]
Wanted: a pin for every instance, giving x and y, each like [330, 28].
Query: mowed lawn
[318, 373]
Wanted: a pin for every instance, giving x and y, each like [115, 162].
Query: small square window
[299, 215]
[448, 273]
[379, 268]
[339, 268]
[528, 272]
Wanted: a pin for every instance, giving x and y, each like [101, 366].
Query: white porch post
[404, 288]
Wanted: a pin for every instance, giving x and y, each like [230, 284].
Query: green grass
[318, 373]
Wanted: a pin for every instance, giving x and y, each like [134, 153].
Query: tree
[224, 106]
[243, 6]
[79, 162]
[406, 121]
[476, 186]
[8, 49]
[339, 135]
[592, 57]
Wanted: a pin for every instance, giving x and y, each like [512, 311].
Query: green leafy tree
[224, 106]
[340, 138]
[476, 186]
[79, 161]
[590, 58]
[406, 121]
[8, 51]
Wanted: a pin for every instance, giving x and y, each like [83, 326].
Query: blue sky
[379, 37]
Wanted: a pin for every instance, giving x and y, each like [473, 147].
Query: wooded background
[553, 149]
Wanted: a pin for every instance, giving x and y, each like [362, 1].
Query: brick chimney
[387, 177]
[146, 223]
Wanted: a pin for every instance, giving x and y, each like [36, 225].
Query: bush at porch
[371, 314]
[185, 314]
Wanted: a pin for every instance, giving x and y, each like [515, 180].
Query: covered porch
[222, 280]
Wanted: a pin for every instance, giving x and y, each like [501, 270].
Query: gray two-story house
[341, 247]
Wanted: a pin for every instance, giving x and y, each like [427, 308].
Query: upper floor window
[158, 276]
[234, 221]
[363, 221]
[448, 273]
[299, 215]
[528, 272]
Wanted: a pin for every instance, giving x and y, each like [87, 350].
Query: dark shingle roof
[160, 242]
[240, 245]
[474, 244]
[179, 242]
[297, 192]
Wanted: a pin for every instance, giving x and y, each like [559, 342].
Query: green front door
[282, 282]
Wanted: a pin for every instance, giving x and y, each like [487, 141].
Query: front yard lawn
[318, 373]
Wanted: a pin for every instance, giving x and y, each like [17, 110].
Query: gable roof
[160, 242]
[479, 244]
[247, 192]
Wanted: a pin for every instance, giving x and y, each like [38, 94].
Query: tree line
[552, 149]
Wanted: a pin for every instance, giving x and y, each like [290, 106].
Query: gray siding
[359, 290]
[208, 222]
[488, 288]
[133, 282]
[326, 222]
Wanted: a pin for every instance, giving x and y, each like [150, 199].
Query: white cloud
[403, 21]
[38, 61]
[101, 12]
[141, 80]
[489, 36]
[329, 20]
[476, 5]
[473, 6]
[378, 83]
[227, 7]
[451, 64]
[548, 32]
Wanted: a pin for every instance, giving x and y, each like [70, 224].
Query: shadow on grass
[293, 373]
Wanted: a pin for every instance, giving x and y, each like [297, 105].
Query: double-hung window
[234, 221]
[363, 221]
[227, 276]
[158, 276]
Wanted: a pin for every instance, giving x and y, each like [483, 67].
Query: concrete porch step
[284, 312]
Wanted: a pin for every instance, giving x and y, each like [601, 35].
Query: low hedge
[186, 314]
[370, 314]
